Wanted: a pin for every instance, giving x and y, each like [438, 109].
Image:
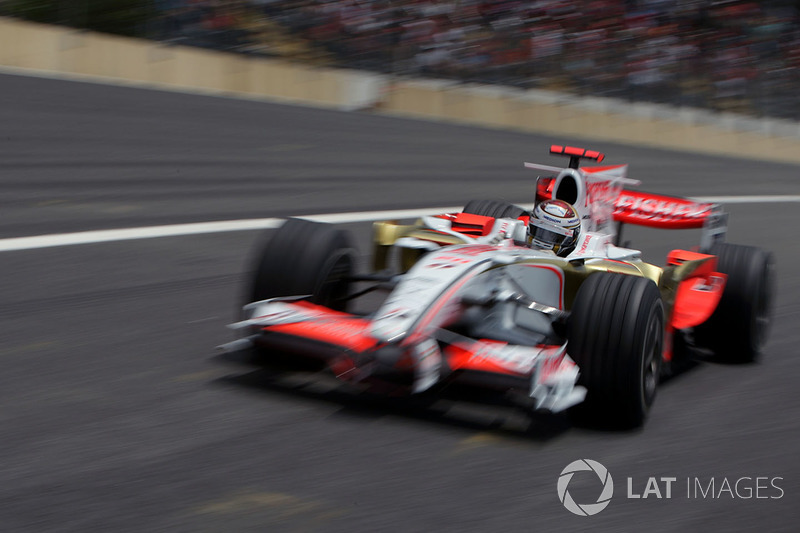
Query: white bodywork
[438, 289]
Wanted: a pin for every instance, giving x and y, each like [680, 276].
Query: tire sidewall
[616, 337]
[304, 258]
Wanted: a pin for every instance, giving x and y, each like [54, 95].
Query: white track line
[199, 228]
[148, 232]
[202, 228]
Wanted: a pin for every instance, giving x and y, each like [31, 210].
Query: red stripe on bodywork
[330, 327]
[463, 356]
[428, 317]
[560, 275]
[474, 356]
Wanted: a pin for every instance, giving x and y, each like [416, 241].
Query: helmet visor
[548, 236]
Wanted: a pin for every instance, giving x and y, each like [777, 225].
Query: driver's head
[555, 225]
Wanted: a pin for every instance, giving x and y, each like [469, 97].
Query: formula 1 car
[471, 301]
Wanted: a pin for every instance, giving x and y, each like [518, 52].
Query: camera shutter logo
[587, 509]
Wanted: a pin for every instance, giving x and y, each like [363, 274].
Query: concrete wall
[691, 130]
[90, 55]
[28, 47]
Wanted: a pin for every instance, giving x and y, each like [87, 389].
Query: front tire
[305, 258]
[616, 337]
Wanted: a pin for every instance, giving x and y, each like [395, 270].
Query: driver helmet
[555, 225]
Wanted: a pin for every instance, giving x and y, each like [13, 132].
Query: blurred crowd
[741, 56]
[728, 55]
[219, 24]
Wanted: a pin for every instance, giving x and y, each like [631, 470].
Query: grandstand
[734, 56]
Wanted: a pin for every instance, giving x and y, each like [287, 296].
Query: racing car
[540, 304]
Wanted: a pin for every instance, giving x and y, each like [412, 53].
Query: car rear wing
[646, 209]
[604, 191]
[669, 212]
[658, 211]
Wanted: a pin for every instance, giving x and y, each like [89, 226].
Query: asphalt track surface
[117, 416]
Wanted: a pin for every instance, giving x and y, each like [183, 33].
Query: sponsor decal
[713, 282]
[555, 209]
[585, 244]
[659, 208]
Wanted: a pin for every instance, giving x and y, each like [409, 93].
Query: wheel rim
[650, 379]
[651, 360]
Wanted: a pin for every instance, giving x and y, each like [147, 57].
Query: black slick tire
[738, 329]
[616, 337]
[305, 258]
[493, 208]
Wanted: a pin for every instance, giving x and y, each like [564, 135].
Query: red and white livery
[472, 300]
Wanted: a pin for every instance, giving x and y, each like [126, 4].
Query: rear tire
[305, 258]
[738, 329]
[616, 337]
[493, 208]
